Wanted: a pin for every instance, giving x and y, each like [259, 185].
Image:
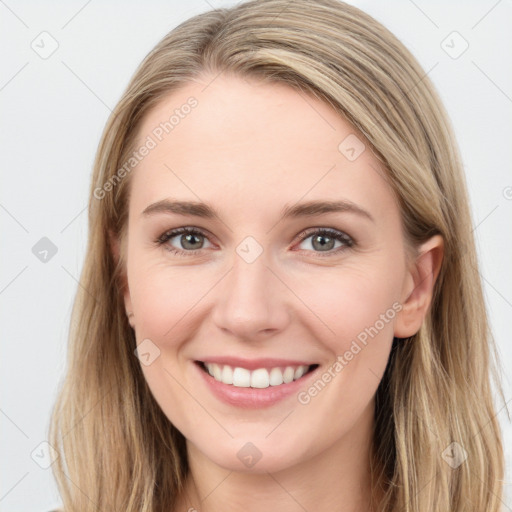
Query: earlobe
[131, 319]
[419, 287]
[128, 306]
[128, 302]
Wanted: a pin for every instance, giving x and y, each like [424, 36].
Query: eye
[323, 240]
[191, 239]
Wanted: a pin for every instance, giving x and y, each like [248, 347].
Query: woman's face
[256, 284]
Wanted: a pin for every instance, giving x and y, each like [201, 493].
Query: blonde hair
[118, 451]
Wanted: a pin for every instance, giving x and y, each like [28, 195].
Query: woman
[280, 304]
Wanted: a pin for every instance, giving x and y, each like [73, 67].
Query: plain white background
[54, 110]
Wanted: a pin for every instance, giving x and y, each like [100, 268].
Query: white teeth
[276, 377]
[288, 374]
[260, 378]
[227, 375]
[209, 367]
[241, 378]
[217, 372]
[299, 372]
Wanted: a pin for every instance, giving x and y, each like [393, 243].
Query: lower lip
[253, 398]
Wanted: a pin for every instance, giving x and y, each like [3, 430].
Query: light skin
[248, 149]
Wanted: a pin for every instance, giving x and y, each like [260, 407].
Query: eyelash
[331, 233]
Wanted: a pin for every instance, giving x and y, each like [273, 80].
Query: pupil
[188, 240]
[321, 240]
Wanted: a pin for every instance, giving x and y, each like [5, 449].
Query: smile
[259, 378]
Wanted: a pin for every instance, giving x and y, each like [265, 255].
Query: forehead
[246, 145]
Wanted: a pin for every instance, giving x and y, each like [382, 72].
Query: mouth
[259, 378]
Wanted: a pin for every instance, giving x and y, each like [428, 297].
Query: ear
[115, 249]
[419, 287]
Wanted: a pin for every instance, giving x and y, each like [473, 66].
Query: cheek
[350, 299]
[164, 297]
[358, 304]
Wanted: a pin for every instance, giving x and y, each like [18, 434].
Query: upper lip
[254, 364]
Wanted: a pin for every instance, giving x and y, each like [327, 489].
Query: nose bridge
[251, 300]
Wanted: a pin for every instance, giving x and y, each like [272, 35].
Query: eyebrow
[307, 209]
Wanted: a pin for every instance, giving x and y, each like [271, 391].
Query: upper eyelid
[306, 233]
[177, 231]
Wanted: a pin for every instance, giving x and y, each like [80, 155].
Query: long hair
[117, 450]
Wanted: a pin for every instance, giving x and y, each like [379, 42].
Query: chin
[255, 457]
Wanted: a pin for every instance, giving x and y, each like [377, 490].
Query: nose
[252, 303]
